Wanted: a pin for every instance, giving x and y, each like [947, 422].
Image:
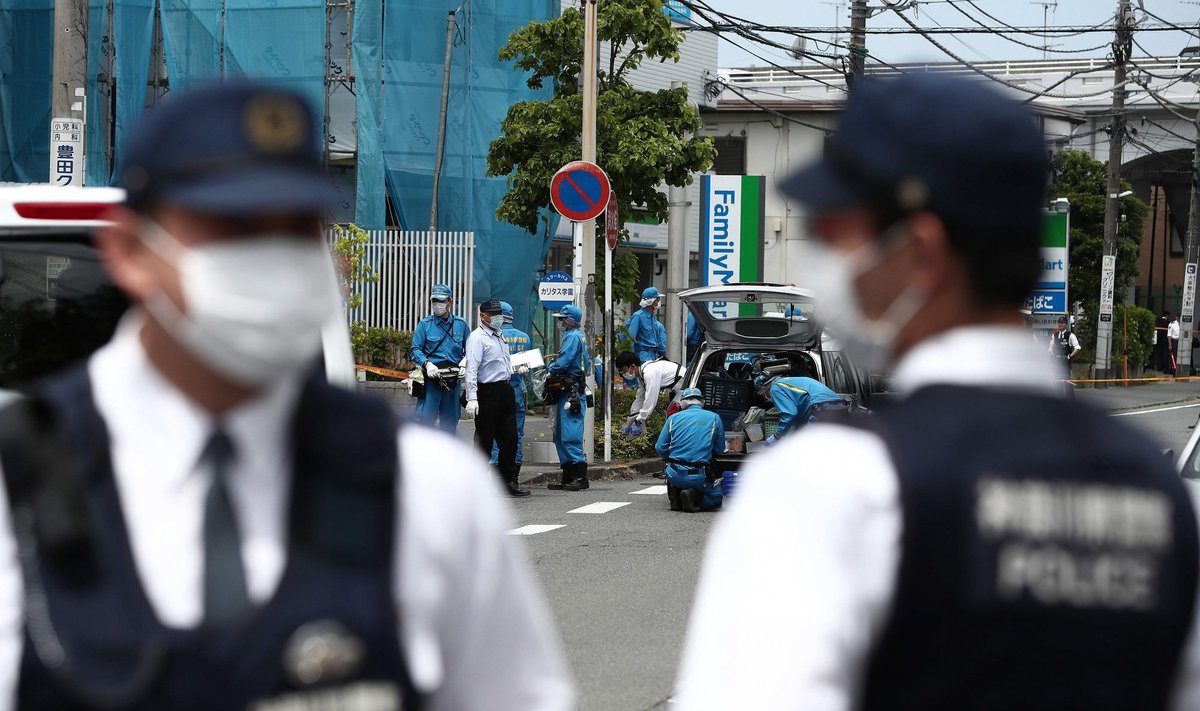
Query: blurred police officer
[219, 527]
[647, 333]
[518, 342]
[438, 345]
[687, 443]
[489, 394]
[985, 543]
[567, 414]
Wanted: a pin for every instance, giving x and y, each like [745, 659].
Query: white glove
[472, 409]
[522, 369]
[640, 419]
[630, 420]
[431, 370]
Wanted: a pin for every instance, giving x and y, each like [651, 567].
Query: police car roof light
[61, 210]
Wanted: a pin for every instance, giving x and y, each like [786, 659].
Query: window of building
[731, 155]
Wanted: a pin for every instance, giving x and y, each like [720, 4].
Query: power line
[954, 4]
[1189, 30]
[773, 112]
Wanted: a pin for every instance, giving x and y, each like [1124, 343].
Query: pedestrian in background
[489, 393]
[568, 411]
[438, 347]
[201, 520]
[687, 443]
[518, 342]
[1162, 345]
[984, 542]
[653, 378]
[647, 335]
[1173, 337]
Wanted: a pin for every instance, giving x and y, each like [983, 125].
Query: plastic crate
[770, 425]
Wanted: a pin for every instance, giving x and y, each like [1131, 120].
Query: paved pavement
[1152, 394]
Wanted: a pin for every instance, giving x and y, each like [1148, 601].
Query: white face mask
[440, 308]
[831, 275]
[492, 322]
[254, 305]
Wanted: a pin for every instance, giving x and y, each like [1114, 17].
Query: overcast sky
[972, 47]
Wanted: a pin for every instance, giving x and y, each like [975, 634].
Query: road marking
[534, 528]
[652, 490]
[600, 507]
[1160, 409]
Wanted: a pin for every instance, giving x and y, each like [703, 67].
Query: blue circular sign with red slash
[579, 191]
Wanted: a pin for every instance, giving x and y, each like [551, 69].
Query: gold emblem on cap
[911, 194]
[275, 123]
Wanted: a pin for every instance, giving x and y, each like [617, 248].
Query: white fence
[408, 265]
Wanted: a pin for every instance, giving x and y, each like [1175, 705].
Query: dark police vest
[1063, 344]
[327, 639]
[1048, 560]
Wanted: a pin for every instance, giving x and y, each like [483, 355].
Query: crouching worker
[799, 401]
[688, 442]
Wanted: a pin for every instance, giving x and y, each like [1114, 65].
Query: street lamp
[1121, 194]
[1061, 205]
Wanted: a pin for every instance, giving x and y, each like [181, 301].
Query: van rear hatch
[755, 315]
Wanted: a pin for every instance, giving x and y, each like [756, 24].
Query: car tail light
[674, 407]
[61, 210]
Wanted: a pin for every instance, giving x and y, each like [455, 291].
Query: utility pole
[588, 248]
[1121, 47]
[67, 88]
[1192, 245]
[858, 41]
[441, 139]
[677, 266]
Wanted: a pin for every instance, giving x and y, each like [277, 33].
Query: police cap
[491, 306]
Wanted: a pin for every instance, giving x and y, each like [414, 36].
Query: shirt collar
[981, 356]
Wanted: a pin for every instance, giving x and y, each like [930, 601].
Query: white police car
[57, 303]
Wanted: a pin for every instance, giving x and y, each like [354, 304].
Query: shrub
[624, 447]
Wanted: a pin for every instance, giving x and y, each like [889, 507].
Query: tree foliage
[1084, 181]
[643, 139]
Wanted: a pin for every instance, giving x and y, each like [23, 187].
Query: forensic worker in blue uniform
[489, 394]
[568, 412]
[518, 342]
[196, 519]
[983, 542]
[438, 345]
[648, 334]
[799, 400]
[695, 336]
[687, 443]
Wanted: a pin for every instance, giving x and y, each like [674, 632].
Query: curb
[1151, 405]
[633, 469]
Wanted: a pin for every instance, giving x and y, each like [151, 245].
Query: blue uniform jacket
[692, 435]
[572, 355]
[649, 336]
[695, 334]
[518, 342]
[795, 398]
[440, 340]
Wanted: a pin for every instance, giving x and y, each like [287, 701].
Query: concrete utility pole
[1192, 246]
[677, 267]
[441, 139]
[1121, 47]
[588, 302]
[858, 40]
[68, 81]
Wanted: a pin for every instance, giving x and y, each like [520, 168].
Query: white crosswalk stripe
[600, 507]
[652, 490]
[534, 529]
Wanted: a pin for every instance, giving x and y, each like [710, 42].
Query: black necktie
[225, 596]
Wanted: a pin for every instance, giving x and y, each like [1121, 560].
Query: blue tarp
[26, 62]
[482, 88]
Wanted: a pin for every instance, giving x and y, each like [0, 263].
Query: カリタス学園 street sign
[579, 191]
[556, 290]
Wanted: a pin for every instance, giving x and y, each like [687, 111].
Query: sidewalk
[1134, 397]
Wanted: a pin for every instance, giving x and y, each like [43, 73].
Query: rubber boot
[689, 500]
[566, 478]
[579, 481]
[673, 497]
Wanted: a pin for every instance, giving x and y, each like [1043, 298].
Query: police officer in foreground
[985, 543]
[489, 394]
[438, 345]
[569, 407]
[518, 342]
[202, 521]
[687, 443]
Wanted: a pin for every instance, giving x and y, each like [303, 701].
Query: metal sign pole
[608, 376]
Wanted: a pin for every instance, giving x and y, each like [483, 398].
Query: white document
[531, 358]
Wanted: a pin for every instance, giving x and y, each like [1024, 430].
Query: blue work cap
[506, 310]
[243, 148]
[491, 306]
[571, 312]
[690, 394]
[956, 147]
[441, 292]
[650, 293]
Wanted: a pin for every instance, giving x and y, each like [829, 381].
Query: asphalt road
[620, 582]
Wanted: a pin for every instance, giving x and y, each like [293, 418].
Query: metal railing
[408, 265]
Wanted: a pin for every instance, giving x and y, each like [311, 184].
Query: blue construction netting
[99, 61]
[281, 43]
[192, 41]
[26, 59]
[481, 90]
[133, 35]
[368, 94]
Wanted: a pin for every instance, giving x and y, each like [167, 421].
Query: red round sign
[579, 191]
[611, 217]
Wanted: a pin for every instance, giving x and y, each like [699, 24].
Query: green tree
[1084, 181]
[643, 139]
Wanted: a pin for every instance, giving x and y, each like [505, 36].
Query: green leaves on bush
[624, 447]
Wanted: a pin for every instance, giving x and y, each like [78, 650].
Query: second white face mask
[253, 306]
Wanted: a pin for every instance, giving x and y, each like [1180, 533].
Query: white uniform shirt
[655, 375]
[487, 360]
[795, 589]
[476, 630]
[1173, 329]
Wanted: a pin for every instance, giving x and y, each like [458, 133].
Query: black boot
[566, 478]
[514, 489]
[689, 500]
[673, 497]
[579, 481]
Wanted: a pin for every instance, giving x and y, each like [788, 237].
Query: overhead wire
[955, 4]
[773, 112]
[1189, 30]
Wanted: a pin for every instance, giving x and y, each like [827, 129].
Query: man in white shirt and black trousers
[197, 519]
[489, 394]
[984, 542]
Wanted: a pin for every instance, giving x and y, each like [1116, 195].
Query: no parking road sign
[579, 191]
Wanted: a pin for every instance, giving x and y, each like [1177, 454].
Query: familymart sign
[731, 233]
